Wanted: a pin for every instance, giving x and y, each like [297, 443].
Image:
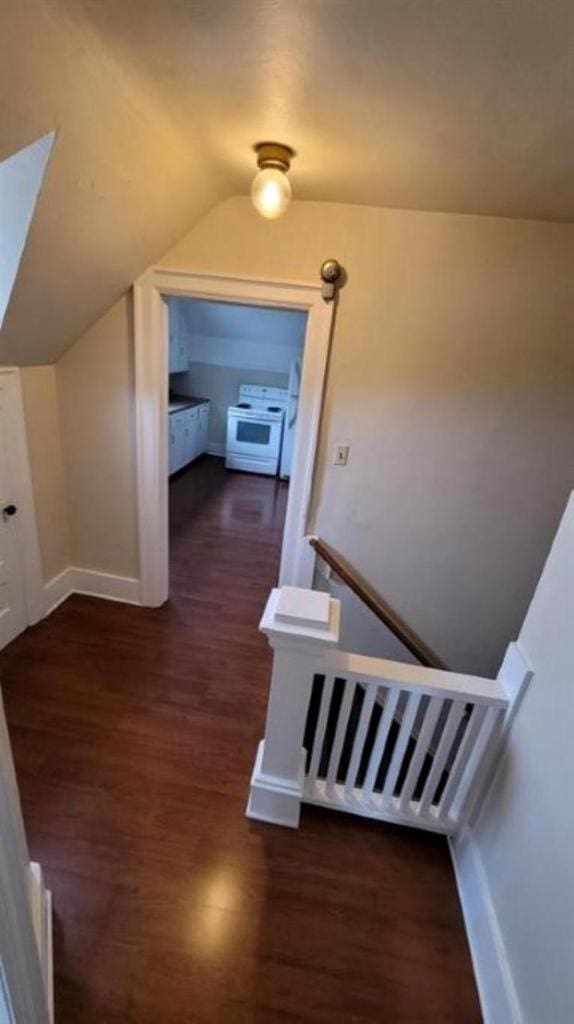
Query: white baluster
[342, 723]
[421, 750]
[319, 738]
[300, 625]
[461, 760]
[360, 739]
[477, 765]
[405, 733]
[391, 701]
[440, 757]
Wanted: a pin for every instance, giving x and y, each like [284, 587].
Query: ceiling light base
[274, 154]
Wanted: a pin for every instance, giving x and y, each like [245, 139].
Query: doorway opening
[154, 298]
[233, 395]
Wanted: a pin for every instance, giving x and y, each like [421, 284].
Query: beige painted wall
[450, 377]
[44, 447]
[525, 834]
[95, 381]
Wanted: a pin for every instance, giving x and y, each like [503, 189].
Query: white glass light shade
[271, 192]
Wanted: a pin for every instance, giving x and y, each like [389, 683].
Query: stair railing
[383, 739]
[377, 605]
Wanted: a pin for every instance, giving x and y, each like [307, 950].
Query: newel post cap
[297, 617]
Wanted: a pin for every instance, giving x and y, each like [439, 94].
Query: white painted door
[13, 611]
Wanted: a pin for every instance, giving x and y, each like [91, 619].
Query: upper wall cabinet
[178, 343]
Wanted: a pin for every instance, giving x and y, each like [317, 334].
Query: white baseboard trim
[216, 448]
[92, 584]
[57, 590]
[103, 584]
[41, 900]
[498, 998]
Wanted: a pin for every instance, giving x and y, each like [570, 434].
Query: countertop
[176, 403]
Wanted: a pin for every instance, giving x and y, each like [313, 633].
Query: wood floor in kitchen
[134, 733]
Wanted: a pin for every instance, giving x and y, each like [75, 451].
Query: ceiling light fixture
[271, 189]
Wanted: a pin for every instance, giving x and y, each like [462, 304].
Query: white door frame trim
[20, 953]
[151, 371]
[24, 499]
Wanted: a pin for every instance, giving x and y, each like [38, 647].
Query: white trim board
[57, 590]
[498, 998]
[151, 361]
[42, 917]
[91, 584]
[19, 951]
[217, 448]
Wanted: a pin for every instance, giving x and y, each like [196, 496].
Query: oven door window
[253, 433]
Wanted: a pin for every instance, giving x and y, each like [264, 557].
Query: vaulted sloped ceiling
[454, 105]
[20, 180]
[123, 183]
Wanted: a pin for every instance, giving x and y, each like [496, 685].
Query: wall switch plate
[341, 456]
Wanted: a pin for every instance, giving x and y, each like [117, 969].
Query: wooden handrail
[398, 627]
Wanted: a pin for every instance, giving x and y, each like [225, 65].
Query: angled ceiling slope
[123, 185]
[456, 105]
[21, 176]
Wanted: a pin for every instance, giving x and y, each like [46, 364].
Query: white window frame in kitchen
[151, 331]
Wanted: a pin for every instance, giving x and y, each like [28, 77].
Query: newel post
[300, 625]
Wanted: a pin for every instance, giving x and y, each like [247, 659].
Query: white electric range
[255, 429]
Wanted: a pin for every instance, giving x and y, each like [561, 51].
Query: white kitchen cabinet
[176, 442]
[196, 446]
[188, 431]
[190, 435]
[171, 446]
[178, 343]
[203, 411]
[182, 356]
[178, 355]
[172, 351]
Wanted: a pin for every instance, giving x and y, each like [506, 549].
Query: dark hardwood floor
[134, 732]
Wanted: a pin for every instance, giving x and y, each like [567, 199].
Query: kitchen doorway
[152, 297]
[233, 397]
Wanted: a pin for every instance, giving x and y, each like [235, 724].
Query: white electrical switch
[341, 455]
